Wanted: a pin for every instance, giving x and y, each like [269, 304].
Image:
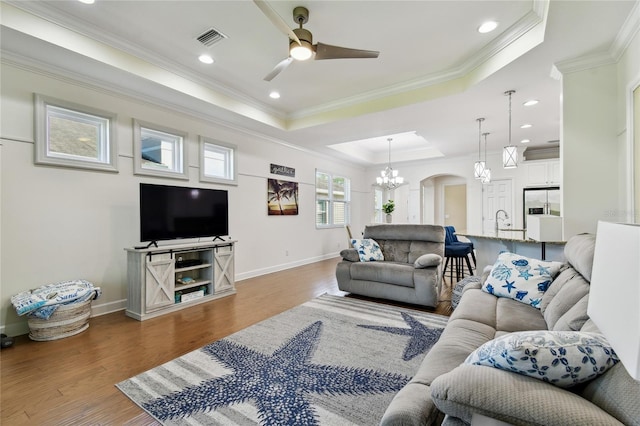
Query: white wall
[60, 223]
[596, 168]
[452, 170]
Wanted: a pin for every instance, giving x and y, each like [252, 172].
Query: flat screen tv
[175, 212]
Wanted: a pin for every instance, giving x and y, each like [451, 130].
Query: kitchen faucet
[506, 216]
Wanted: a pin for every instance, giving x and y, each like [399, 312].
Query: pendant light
[486, 175]
[389, 178]
[510, 153]
[478, 167]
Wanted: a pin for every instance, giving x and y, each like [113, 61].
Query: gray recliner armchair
[411, 271]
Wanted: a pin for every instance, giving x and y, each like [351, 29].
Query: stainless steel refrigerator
[543, 200]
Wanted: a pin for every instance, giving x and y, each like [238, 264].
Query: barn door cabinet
[170, 278]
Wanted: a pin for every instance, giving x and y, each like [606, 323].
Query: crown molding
[42, 10]
[585, 62]
[629, 29]
[513, 33]
[627, 32]
[188, 108]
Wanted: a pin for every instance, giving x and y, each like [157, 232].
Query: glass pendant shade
[510, 153]
[510, 157]
[478, 169]
[486, 176]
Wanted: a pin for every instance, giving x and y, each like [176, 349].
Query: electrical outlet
[286, 252]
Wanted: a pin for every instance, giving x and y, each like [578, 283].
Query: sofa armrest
[427, 261]
[512, 398]
[350, 255]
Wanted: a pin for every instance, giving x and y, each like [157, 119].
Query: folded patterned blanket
[43, 301]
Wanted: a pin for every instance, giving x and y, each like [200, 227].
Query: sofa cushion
[562, 358]
[513, 398]
[427, 260]
[368, 249]
[384, 272]
[521, 278]
[564, 303]
[579, 253]
[618, 393]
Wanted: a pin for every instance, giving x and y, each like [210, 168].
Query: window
[333, 197]
[217, 162]
[159, 151]
[377, 202]
[73, 135]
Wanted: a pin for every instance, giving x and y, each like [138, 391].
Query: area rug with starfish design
[331, 361]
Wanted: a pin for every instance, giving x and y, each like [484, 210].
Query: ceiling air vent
[210, 37]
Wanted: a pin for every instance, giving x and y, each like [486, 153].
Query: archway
[443, 200]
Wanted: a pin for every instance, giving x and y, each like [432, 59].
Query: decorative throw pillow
[562, 358]
[368, 250]
[521, 278]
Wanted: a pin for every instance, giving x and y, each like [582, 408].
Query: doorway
[455, 206]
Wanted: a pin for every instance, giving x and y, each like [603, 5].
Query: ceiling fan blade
[327, 51]
[276, 20]
[282, 65]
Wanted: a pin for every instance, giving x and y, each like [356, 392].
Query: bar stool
[456, 251]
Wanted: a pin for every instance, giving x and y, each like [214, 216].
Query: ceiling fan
[301, 45]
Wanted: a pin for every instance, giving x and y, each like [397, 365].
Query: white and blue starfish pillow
[562, 358]
[368, 250]
[521, 278]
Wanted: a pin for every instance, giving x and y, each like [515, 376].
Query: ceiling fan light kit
[304, 50]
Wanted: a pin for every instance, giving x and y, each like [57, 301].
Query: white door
[497, 195]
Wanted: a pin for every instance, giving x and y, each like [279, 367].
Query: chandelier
[389, 178]
[510, 153]
[478, 167]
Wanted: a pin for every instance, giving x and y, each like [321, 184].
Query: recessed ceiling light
[525, 141]
[205, 59]
[274, 95]
[531, 102]
[525, 126]
[487, 27]
[87, 1]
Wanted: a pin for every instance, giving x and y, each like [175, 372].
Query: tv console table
[169, 278]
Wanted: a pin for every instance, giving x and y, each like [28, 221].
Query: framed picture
[282, 198]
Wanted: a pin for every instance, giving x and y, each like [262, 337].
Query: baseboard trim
[283, 266]
[107, 308]
[19, 328]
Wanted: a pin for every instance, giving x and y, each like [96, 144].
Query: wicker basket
[66, 321]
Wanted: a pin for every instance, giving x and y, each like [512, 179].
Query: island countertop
[506, 235]
[489, 246]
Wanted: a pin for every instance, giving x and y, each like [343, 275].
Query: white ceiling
[435, 74]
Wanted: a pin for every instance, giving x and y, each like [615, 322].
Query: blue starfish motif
[422, 337]
[524, 273]
[278, 384]
[509, 285]
[544, 270]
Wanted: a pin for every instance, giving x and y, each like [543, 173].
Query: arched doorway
[443, 201]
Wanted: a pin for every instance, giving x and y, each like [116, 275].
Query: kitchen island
[488, 246]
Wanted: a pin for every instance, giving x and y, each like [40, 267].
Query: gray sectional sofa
[411, 271]
[446, 389]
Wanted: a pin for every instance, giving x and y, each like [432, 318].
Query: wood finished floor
[71, 381]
